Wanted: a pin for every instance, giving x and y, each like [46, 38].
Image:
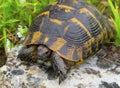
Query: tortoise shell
[73, 29]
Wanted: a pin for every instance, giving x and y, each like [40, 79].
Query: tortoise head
[43, 52]
[28, 53]
[33, 53]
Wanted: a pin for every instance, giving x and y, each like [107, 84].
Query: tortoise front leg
[59, 66]
[26, 53]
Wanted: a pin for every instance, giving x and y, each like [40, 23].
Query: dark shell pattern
[73, 29]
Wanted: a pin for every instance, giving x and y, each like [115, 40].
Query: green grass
[116, 19]
[17, 12]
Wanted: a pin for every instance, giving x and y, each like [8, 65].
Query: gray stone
[16, 74]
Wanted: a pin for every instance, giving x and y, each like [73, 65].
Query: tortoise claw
[62, 77]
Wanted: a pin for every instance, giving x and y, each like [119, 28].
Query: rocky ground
[91, 74]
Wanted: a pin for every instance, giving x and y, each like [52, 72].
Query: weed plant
[17, 12]
[116, 19]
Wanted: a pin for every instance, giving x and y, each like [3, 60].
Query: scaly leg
[59, 66]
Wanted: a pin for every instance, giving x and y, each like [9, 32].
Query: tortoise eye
[48, 53]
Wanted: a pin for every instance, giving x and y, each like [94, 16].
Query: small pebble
[17, 72]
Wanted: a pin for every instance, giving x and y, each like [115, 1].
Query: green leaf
[12, 21]
[116, 19]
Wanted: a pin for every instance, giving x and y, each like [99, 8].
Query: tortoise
[66, 33]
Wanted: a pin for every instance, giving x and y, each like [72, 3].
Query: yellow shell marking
[26, 39]
[66, 7]
[44, 13]
[36, 37]
[59, 22]
[46, 39]
[95, 9]
[70, 52]
[42, 23]
[79, 53]
[75, 20]
[67, 10]
[92, 15]
[106, 34]
[88, 45]
[58, 44]
[75, 2]
[66, 29]
[99, 37]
